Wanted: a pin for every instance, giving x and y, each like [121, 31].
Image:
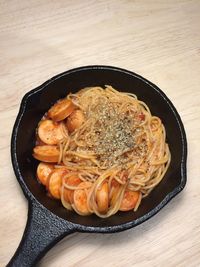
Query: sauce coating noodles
[111, 144]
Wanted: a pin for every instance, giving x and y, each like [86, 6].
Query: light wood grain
[159, 40]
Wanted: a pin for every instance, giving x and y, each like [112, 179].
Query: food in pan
[101, 151]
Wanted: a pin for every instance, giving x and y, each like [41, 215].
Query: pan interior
[40, 101]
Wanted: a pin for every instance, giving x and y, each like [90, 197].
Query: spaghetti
[118, 152]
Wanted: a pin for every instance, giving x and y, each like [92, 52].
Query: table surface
[160, 40]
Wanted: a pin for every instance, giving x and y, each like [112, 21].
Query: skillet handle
[43, 230]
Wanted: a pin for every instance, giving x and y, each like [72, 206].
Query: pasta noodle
[120, 146]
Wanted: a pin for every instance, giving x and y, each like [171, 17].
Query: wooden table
[159, 40]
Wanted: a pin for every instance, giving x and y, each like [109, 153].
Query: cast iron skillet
[48, 222]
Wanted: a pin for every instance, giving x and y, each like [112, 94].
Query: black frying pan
[48, 222]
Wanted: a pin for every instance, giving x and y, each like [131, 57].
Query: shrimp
[61, 110]
[43, 172]
[69, 194]
[50, 132]
[102, 198]
[46, 153]
[80, 198]
[55, 182]
[75, 120]
[129, 200]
